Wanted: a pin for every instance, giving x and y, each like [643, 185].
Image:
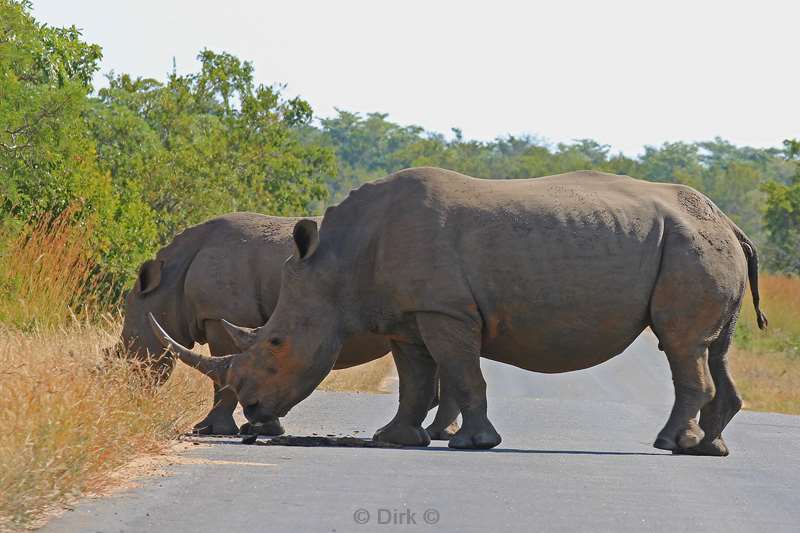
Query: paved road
[576, 456]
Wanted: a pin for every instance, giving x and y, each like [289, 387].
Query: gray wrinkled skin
[551, 274]
[226, 268]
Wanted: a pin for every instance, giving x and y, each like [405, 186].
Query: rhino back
[559, 270]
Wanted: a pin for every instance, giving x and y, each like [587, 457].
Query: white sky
[625, 73]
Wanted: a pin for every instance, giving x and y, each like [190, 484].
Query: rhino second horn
[242, 337]
[213, 367]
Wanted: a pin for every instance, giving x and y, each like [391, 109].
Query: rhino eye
[275, 341]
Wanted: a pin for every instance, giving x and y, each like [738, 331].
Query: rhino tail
[752, 273]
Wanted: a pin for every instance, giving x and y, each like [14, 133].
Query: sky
[625, 73]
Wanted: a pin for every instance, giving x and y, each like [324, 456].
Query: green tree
[207, 143]
[782, 215]
[47, 153]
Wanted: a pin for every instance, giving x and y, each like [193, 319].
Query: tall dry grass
[766, 364]
[47, 272]
[65, 425]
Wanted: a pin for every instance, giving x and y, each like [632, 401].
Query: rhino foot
[272, 428]
[207, 427]
[437, 433]
[688, 438]
[482, 439]
[403, 434]
[713, 448]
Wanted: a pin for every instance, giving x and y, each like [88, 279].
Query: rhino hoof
[691, 436]
[405, 435]
[691, 441]
[663, 443]
[218, 428]
[273, 428]
[442, 433]
[712, 448]
[480, 440]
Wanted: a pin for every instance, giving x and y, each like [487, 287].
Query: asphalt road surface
[576, 456]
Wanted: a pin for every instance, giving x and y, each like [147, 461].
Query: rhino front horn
[213, 367]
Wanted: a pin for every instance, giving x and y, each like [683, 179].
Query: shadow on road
[233, 441]
[540, 452]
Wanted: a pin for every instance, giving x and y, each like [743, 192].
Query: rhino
[227, 268]
[550, 274]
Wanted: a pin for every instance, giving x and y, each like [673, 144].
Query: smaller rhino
[227, 269]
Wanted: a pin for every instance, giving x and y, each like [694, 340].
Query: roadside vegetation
[70, 418]
[93, 181]
[67, 426]
[766, 365]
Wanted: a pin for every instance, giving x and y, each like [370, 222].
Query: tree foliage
[142, 159]
[782, 215]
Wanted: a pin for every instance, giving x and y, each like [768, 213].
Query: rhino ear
[149, 276]
[306, 238]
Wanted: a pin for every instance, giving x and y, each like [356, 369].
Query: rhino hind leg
[417, 373]
[691, 311]
[455, 345]
[693, 389]
[445, 423]
[716, 414]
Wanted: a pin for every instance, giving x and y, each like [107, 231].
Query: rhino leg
[445, 423]
[219, 420]
[417, 373]
[716, 414]
[694, 388]
[691, 392]
[692, 310]
[455, 345]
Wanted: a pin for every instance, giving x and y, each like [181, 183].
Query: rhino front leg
[455, 346]
[445, 424]
[219, 420]
[417, 373]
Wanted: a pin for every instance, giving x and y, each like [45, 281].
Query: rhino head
[282, 362]
[138, 344]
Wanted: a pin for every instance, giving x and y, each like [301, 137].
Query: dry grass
[767, 381]
[374, 376]
[47, 274]
[766, 365]
[66, 427]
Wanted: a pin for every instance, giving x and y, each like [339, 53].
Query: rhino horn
[242, 337]
[213, 367]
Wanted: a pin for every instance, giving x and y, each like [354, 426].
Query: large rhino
[551, 274]
[226, 268]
